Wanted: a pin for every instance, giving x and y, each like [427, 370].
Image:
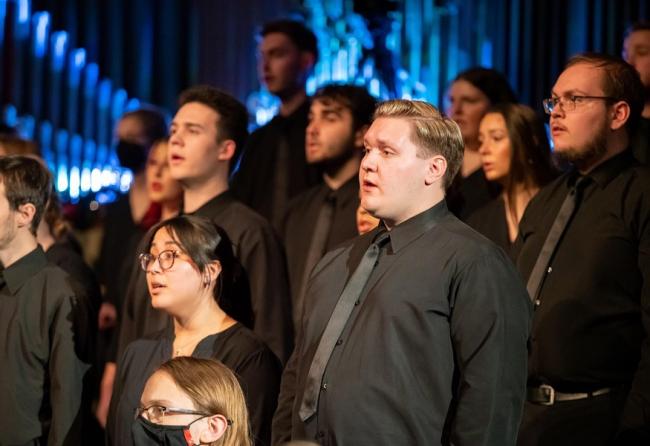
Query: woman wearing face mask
[190, 401]
[469, 97]
[193, 276]
[515, 154]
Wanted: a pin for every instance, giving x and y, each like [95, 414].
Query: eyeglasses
[165, 259]
[156, 414]
[569, 103]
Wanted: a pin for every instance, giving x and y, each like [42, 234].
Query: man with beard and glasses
[325, 215]
[585, 255]
[636, 52]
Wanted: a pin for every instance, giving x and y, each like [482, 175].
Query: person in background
[636, 52]
[366, 222]
[470, 96]
[193, 276]
[515, 154]
[192, 401]
[338, 118]
[273, 168]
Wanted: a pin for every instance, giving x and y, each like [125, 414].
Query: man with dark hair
[204, 136]
[43, 361]
[414, 333]
[325, 216]
[273, 168]
[585, 254]
[636, 52]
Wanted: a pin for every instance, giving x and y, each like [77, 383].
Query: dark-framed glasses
[569, 103]
[165, 259]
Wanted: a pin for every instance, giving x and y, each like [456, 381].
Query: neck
[646, 110]
[425, 203]
[204, 317]
[291, 102]
[44, 236]
[22, 244]
[341, 174]
[616, 143]
[471, 161]
[169, 209]
[196, 195]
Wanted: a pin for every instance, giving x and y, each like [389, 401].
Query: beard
[587, 155]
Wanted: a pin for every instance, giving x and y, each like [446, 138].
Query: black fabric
[588, 333]
[299, 227]
[146, 433]
[41, 348]
[468, 194]
[641, 141]
[490, 220]
[254, 181]
[260, 253]
[256, 367]
[434, 353]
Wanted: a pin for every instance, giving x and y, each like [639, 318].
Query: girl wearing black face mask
[190, 401]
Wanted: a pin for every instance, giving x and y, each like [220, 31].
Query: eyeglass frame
[549, 106]
[139, 411]
[150, 258]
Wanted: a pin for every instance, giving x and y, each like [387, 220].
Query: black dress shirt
[253, 182]
[490, 220]
[641, 141]
[299, 226]
[257, 369]
[470, 193]
[41, 373]
[433, 353]
[260, 253]
[588, 329]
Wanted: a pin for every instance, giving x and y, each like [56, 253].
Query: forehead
[580, 78]
[159, 151]
[493, 120]
[128, 127]
[161, 388]
[322, 104]
[641, 37]
[393, 131]
[196, 113]
[162, 237]
[276, 40]
[462, 87]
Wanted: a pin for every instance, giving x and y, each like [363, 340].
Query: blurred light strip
[41, 24]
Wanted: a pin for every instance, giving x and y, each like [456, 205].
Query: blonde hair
[432, 132]
[214, 389]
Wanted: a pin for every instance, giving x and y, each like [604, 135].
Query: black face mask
[146, 433]
[131, 155]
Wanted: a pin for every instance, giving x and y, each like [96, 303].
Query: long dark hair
[204, 242]
[531, 163]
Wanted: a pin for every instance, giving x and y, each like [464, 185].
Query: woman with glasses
[189, 401]
[193, 276]
[515, 154]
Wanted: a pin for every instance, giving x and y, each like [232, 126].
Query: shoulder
[487, 214]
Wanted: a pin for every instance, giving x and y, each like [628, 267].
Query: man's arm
[282, 419]
[67, 373]
[490, 325]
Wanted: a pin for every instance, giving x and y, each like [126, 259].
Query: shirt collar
[608, 170]
[347, 189]
[298, 115]
[24, 268]
[407, 231]
[214, 205]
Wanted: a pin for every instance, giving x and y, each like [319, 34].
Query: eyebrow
[167, 243]
[150, 403]
[570, 92]
[187, 124]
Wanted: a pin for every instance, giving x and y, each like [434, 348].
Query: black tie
[336, 324]
[557, 229]
[316, 247]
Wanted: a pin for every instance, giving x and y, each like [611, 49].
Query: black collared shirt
[300, 220]
[253, 182]
[41, 374]
[588, 329]
[490, 220]
[433, 353]
[260, 253]
[257, 369]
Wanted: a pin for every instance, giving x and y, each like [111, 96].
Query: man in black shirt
[636, 52]
[206, 132]
[42, 320]
[272, 168]
[586, 257]
[325, 215]
[426, 342]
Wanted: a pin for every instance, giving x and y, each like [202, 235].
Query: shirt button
[357, 303]
[324, 386]
[320, 434]
[339, 342]
[538, 302]
[549, 270]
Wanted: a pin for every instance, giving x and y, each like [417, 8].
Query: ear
[620, 114]
[307, 61]
[217, 425]
[227, 150]
[436, 168]
[25, 215]
[359, 134]
[213, 270]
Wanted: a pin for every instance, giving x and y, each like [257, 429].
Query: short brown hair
[432, 132]
[26, 180]
[620, 81]
[214, 389]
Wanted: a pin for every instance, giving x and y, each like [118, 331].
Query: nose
[483, 149]
[368, 162]
[175, 138]
[312, 127]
